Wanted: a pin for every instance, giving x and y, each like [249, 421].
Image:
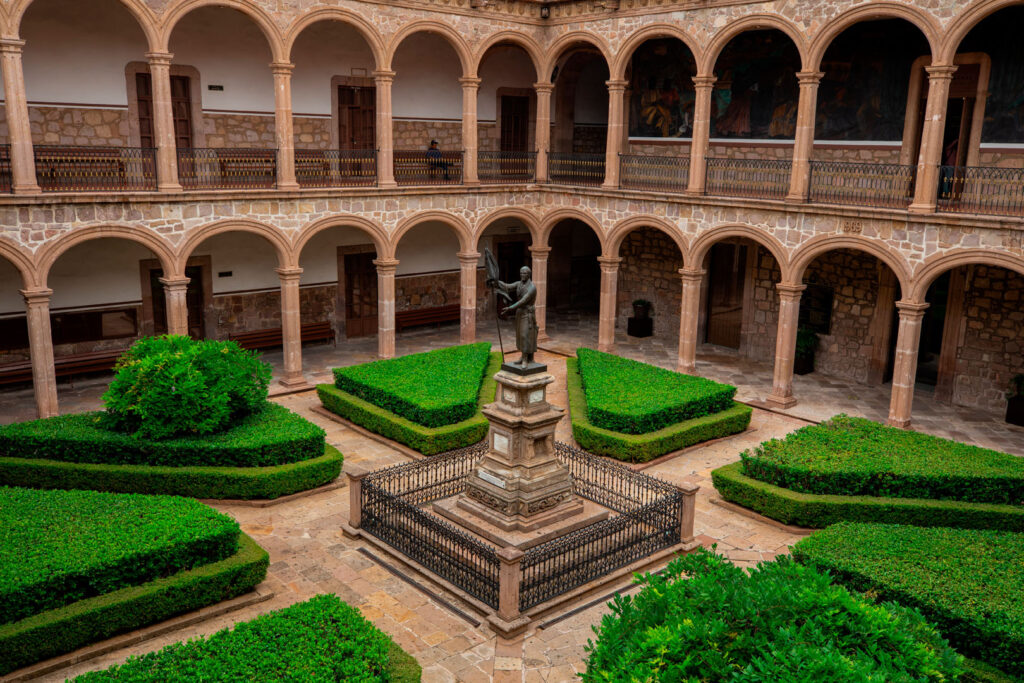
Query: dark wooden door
[144, 94]
[181, 107]
[725, 294]
[515, 123]
[193, 301]
[357, 111]
[360, 295]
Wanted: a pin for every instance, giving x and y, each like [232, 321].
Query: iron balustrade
[416, 167]
[659, 173]
[573, 168]
[755, 178]
[982, 190]
[227, 169]
[105, 169]
[506, 167]
[335, 168]
[881, 185]
[6, 176]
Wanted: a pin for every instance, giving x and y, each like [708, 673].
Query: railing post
[176, 295]
[40, 342]
[688, 318]
[386, 269]
[927, 188]
[510, 579]
[687, 512]
[785, 344]
[163, 122]
[355, 474]
[613, 144]
[543, 132]
[803, 143]
[23, 163]
[470, 143]
[704, 85]
[284, 126]
[385, 135]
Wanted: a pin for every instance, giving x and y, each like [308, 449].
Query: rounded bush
[173, 386]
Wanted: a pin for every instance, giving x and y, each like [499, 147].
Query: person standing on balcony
[435, 160]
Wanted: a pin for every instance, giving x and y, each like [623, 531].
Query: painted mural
[662, 93]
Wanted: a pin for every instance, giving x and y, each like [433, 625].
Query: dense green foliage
[818, 511]
[705, 619]
[646, 447]
[176, 386]
[857, 457]
[426, 440]
[965, 581]
[59, 547]
[322, 639]
[612, 386]
[67, 628]
[432, 389]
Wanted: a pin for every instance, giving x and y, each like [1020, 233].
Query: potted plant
[806, 344]
[1015, 401]
[641, 308]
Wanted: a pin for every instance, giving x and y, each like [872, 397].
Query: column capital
[616, 85]
[941, 72]
[159, 58]
[282, 68]
[704, 82]
[539, 252]
[790, 290]
[384, 76]
[11, 45]
[386, 265]
[175, 282]
[288, 274]
[37, 295]
[692, 274]
[468, 257]
[544, 87]
[470, 81]
[809, 77]
[912, 310]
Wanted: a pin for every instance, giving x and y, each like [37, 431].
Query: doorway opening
[727, 267]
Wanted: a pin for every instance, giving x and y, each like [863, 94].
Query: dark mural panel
[999, 36]
[661, 103]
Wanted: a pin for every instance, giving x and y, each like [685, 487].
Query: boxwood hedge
[614, 402]
[646, 447]
[322, 639]
[63, 546]
[965, 581]
[432, 389]
[857, 457]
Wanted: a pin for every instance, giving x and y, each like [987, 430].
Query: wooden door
[515, 123]
[357, 112]
[181, 108]
[725, 294]
[144, 94]
[360, 295]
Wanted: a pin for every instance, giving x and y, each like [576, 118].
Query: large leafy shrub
[707, 620]
[172, 386]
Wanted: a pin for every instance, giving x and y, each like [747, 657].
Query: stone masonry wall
[650, 270]
[70, 126]
[246, 311]
[758, 341]
[418, 134]
[239, 131]
[312, 133]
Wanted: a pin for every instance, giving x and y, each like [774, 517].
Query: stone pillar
[704, 85]
[283, 126]
[543, 132]
[40, 342]
[467, 296]
[175, 293]
[291, 326]
[803, 144]
[609, 285]
[163, 122]
[616, 123]
[540, 281]
[355, 474]
[385, 136]
[687, 512]
[926, 186]
[386, 306]
[23, 160]
[785, 344]
[470, 140]
[510, 577]
[688, 319]
[904, 372]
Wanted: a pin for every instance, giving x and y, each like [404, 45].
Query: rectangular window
[181, 107]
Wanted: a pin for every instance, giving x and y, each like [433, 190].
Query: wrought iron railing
[882, 185]
[6, 176]
[227, 169]
[106, 169]
[575, 168]
[981, 189]
[757, 178]
[425, 167]
[506, 167]
[658, 173]
[335, 168]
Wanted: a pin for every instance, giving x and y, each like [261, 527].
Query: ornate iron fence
[659, 173]
[227, 169]
[506, 167]
[6, 176]
[573, 168]
[335, 168]
[106, 169]
[882, 185]
[417, 167]
[981, 189]
[757, 178]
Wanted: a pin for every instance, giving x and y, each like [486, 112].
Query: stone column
[468, 262]
[704, 85]
[785, 344]
[540, 281]
[904, 372]
[23, 160]
[926, 186]
[687, 512]
[543, 132]
[385, 135]
[283, 125]
[470, 141]
[175, 293]
[613, 146]
[609, 285]
[386, 306]
[163, 122]
[688, 319]
[291, 326]
[40, 342]
[803, 144]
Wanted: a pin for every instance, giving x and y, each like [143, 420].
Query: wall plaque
[491, 479]
[510, 396]
[536, 396]
[501, 443]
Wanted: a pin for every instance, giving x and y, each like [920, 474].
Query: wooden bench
[272, 336]
[64, 366]
[426, 316]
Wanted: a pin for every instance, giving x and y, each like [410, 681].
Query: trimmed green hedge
[273, 436]
[646, 447]
[819, 511]
[67, 628]
[63, 546]
[432, 389]
[967, 582]
[320, 640]
[857, 457]
[196, 482]
[426, 440]
[614, 402]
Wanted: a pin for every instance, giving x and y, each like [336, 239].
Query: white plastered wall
[427, 72]
[325, 50]
[428, 247]
[504, 67]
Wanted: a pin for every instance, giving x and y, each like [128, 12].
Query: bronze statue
[522, 295]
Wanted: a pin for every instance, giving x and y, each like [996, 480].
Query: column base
[606, 348]
[921, 208]
[795, 199]
[693, 193]
[781, 402]
[899, 423]
[169, 187]
[26, 189]
[609, 186]
[686, 369]
[289, 186]
[507, 629]
[388, 185]
[293, 384]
